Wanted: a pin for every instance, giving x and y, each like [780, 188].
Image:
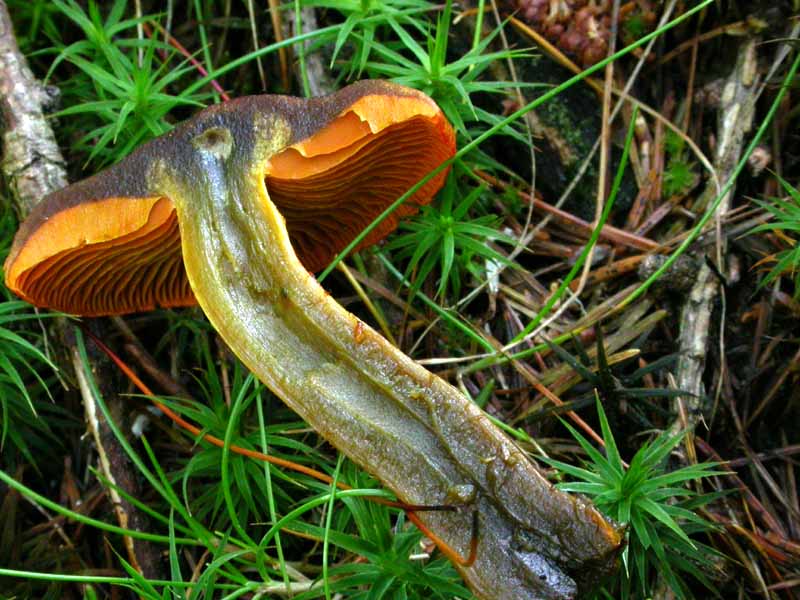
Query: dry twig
[735, 119]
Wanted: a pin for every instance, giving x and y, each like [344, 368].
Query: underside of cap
[110, 245]
[112, 256]
[329, 194]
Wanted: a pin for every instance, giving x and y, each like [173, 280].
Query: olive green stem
[416, 433]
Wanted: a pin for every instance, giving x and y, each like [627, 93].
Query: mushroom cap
[110, 244]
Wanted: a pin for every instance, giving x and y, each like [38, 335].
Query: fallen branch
[735, 120]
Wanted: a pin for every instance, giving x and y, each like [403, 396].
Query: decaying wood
[34, 167]
[735, 119]
[31, 161]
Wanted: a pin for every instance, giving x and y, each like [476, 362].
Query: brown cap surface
[110, 244]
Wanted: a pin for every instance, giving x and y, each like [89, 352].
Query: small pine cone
[579, 28]
[560, 11]
[582, 16]
[533, 11]
[594, 52]
[554, 31]
[571, 42]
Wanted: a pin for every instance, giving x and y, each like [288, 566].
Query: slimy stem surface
[409, 428]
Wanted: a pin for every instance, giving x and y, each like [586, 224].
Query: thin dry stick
[605, 143]
[139, 30]
[277, 29]
[739, 28]
[254, 32]
[690, 84]
[135, 348]
[93, 421]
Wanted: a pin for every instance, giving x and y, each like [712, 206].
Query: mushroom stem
[416, 433]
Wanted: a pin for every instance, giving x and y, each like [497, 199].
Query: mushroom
[210, 213]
